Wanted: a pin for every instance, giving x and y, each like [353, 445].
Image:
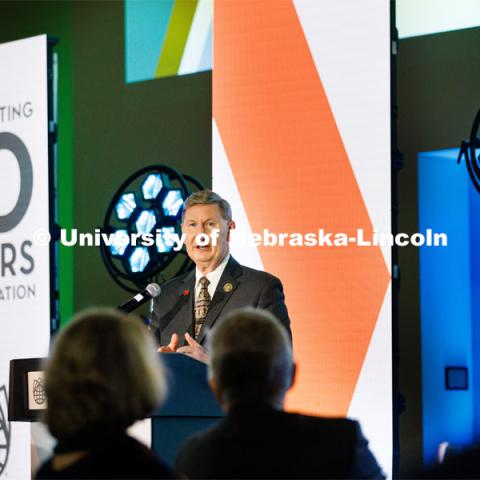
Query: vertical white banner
[24, 224]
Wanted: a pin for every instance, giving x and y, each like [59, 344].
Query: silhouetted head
[104, 373]
[250, 359]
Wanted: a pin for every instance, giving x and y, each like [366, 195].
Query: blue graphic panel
[146, 23]
[448, 203]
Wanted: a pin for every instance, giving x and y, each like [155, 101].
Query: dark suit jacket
[260, 442]
[118, 457]
[238, 287]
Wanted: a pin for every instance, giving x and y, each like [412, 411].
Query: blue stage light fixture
[146, 222]
[148, 202]
[172, 203]
[139, 259]
[120, 242]
[165, 241]
[125, 206]
[151, 186]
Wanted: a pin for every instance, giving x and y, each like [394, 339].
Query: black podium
[190, 405]
[189, 408]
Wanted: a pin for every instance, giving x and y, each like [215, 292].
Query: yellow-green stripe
[176, 37]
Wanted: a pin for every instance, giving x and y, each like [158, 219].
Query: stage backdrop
[24, 266]
[301, 142]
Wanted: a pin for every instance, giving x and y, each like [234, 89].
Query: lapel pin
[228, 287]
[186, 292]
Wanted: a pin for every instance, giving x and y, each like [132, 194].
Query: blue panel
[445, 299]
[146, 23]
[475, 295]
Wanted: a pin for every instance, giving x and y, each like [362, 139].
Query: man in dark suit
[250, 371]
[191, 303]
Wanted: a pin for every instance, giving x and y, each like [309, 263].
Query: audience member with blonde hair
[103, 375]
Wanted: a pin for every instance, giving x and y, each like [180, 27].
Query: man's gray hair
[207, 197]
[250, 356]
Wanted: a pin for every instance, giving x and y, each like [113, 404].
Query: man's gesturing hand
[194, 350]
[172, 346]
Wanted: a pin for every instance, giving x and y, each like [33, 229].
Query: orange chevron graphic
[294, 175]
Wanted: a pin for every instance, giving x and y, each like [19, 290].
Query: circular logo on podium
[39, 391]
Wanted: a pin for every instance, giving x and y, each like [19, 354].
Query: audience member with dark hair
[103, 375]
[251, 369]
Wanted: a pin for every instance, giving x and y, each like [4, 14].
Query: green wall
[120, 128]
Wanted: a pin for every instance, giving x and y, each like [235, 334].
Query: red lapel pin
[186, 292]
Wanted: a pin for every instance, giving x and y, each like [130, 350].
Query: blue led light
[120, 242]
[165, 241]
[172, 203]
[125, 206]
[145, 222]
[139, 259]
[151, 186]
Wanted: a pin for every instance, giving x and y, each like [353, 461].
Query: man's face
[206, 219]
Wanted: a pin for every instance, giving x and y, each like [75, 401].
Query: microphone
[151, 291]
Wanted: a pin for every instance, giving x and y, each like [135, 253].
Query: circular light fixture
[149, 203]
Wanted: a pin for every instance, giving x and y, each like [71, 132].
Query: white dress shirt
[213, 277]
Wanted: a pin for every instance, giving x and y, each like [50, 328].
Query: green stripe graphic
[176, 37]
